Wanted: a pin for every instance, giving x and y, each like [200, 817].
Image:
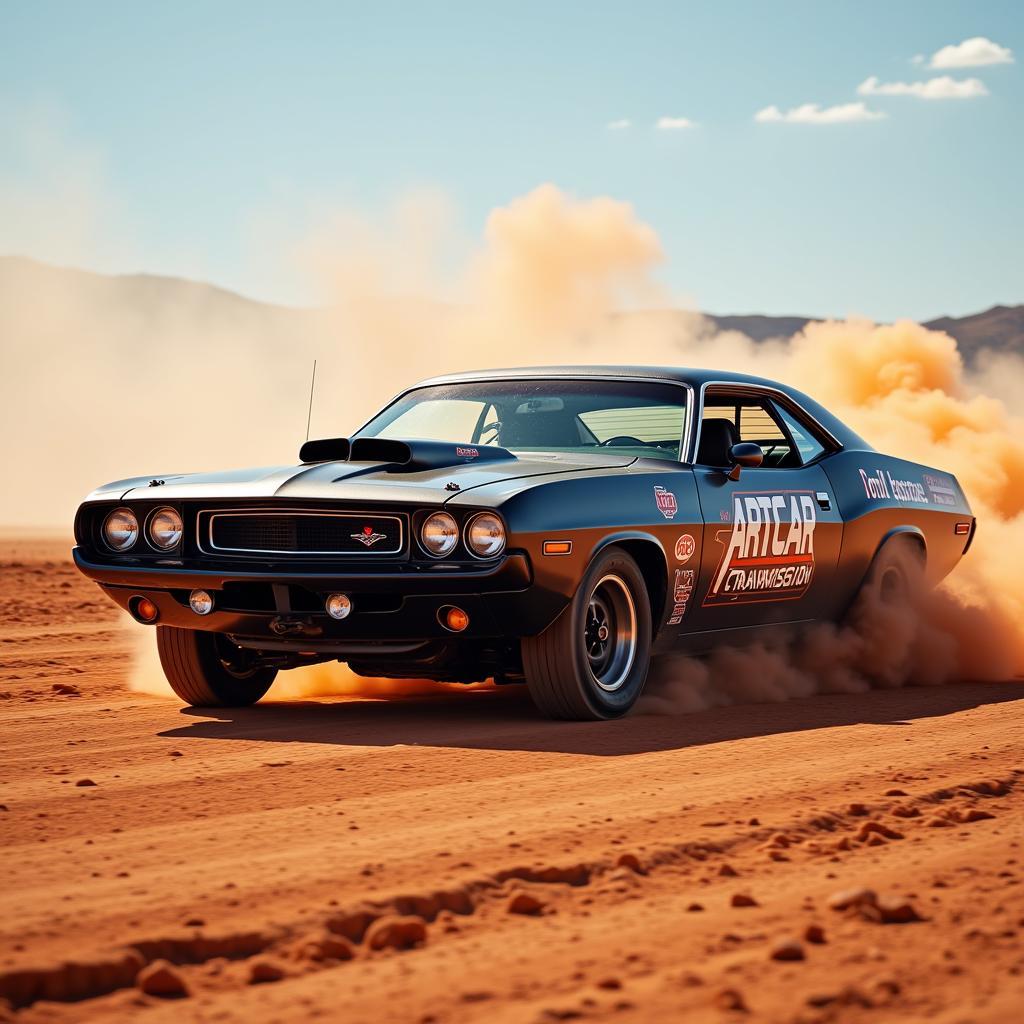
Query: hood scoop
[400, 456]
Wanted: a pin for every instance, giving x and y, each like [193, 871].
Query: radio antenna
[309, 415]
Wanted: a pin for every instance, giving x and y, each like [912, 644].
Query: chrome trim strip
[215, 513]
[787, 399]
[687, 427]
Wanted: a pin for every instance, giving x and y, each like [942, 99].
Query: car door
[772, 536]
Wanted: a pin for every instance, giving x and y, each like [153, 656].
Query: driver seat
[717, 436]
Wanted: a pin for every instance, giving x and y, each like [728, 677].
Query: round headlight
[121, 529]
[485, 535]
[165, 529]
[439, 534]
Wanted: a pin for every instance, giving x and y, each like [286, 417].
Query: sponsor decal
[724, 515]
[666, 502]
[685, 547]
[768, 554]
[881, 485]
[467, 453]
[941, 488]
[368, 537]
[682, 588]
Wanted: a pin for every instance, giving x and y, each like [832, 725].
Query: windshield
[625, 417]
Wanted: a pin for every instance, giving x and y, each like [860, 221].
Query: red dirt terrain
[452, 857]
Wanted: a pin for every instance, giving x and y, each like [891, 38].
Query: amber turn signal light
[557, 547]
[143, 610]
[962, 529]
[453, 618]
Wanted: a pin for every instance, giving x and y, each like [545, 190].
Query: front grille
[303, 533]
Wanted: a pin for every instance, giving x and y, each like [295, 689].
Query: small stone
[906, 811]
[728, 871]
[730, 999]
[85, 782]
[754, 822]
[194, 922]
[857, 810]
[788, 949]
[897, 911]
[263, 970]
[326, 947]
[975, 814]
[743, 899]
[161, 978]
[815, 934]
[847, 898]
[694, 908]
[396, 933]
[631, 861]
[609, 983]
[895, 792]
[878, 828]
[524, 903]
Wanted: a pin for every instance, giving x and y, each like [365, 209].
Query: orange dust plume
[149, 386]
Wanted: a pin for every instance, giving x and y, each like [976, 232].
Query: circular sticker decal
[684, 548]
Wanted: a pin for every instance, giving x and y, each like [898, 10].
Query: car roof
[694, 377]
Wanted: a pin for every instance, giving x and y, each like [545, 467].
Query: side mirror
[745, 455]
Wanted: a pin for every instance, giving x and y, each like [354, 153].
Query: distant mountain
[147, 296]
[1000, 328]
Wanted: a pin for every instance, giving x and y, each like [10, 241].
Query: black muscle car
[553, 526]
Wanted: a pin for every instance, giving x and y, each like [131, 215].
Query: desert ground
[452, 857]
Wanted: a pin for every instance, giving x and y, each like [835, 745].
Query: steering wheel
[623, 439]
[494, 427]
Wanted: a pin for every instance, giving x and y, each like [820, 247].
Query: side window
[806, 443]
[728, 419]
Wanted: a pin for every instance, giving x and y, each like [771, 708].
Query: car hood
[351, 481]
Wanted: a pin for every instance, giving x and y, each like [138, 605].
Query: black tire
[573, 671]
[206, 670]
[896, 578]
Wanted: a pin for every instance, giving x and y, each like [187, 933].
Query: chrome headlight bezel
[133, 536]
[452, 534]
[177, 534]
[467, 532]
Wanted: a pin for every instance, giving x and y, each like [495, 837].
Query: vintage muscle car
[553, 526]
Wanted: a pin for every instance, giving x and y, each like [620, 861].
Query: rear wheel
[895, 580]
[207, 670]
[592, 661]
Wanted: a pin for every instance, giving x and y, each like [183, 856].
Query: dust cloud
[115, 382]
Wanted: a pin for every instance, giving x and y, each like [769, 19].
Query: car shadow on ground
[504, 719]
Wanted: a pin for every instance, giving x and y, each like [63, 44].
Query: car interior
[729, 419]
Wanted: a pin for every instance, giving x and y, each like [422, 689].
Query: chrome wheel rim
[609, 633]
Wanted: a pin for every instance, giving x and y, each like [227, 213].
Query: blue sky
[188, 128]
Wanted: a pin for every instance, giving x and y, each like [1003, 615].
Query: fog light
[454, 619]
[338, 606]
[144, 610]
[200, 602]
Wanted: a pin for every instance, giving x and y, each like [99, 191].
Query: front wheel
[592, 661]
[207, 670]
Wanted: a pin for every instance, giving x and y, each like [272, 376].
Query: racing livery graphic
[682, 588]
[666, 502]
[554, 527]
[769, 552]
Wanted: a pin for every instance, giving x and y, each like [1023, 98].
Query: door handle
[824, 500]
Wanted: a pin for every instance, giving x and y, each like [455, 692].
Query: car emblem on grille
[368, 537]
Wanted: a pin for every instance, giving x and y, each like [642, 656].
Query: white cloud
[620, 125]
[977, 52]
[674, 124]
[918, 58]
[942, 88]
[811, 113]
